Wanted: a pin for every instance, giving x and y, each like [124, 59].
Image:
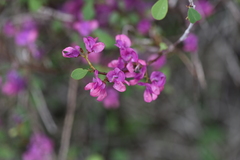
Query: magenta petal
[127, 82]
[89, 86]
[142, 62]
[95, 92]
[130, 75]
[119, 86]
[133, 82]
[102, 95]
[125, 40]
[154, 96]
[111, 76]
[71, 52]
[113, 64]
[98, 47]
[130, 67]
[155, 89]
[147, 96]
[134, 56]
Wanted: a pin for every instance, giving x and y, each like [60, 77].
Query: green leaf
[160, 9]
[34, 5]
[88, 10]
[105, 37]
[163, 46]
[193, 15]
[79, 73]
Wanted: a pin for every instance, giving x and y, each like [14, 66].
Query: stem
[173, 46]
[90, 64]
[68, 122]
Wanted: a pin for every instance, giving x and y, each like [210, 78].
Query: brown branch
[181, 39]
[68, 122]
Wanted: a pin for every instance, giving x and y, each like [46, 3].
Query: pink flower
[191, 43]
[40, 147]
[123, 41]
[14, 83]
[118, 77]
[97, 88]
[112, 99]
[136, 71]
[27, 34]
[71, 52]
[129, 55]
[159, 63]
[85, 28]
[205, 8]
[158, 79]
[92, 46]
[119, 63]
[151, 93]
[26, 37]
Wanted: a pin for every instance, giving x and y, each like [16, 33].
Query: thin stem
[182, 38]
[68, 122]
[90, 64]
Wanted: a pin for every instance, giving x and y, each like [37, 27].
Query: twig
[68, 122]
[187, 62]
[234, 10]
[199, 70]
[43, 110]
[173, 46]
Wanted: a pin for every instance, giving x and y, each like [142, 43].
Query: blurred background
[46, 115]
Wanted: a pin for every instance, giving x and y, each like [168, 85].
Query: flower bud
[71, 52]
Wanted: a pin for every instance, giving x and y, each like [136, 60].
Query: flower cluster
[24, 34]
[39, 148]
[128, 69]
[103, 14]
[14, 83]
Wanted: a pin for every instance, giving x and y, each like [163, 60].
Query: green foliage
[193, 15]
[34, 5]
[88, 10]
[112, 123]
[133, 18]
[79, 73]
[2, 2]
[56, 26]
[160, 9]
[119, 154]
[212, 137]
[114, 18]
[6, 152]
[105, 37]
[95, 157]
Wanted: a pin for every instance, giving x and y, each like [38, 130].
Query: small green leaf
[163, 46]
[193, 15]
[79, 73]
[105, 37]
[160, 9]
[88, 10]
